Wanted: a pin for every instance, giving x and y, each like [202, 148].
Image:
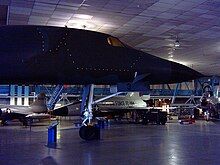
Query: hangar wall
[24, 95]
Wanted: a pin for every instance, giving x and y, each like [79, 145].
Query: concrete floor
[172, 144]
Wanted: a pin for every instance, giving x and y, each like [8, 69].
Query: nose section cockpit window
[115, 42]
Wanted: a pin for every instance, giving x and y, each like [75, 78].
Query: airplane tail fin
[39, 105]
[41, 100]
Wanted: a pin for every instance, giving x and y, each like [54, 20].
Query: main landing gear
[89, 129]
[89, 132]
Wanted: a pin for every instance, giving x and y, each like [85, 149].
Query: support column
[175, 93]
[19, 95]
[26, 94]
[12, 94]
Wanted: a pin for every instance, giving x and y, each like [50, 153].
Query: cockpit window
[114, 42]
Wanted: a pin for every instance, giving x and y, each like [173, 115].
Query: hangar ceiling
[150, 25]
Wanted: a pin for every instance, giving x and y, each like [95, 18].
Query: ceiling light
[170, 53]
[171, 45]
[180, 62]
[83, 16]
[84, 26]
[177, 43]
[109, 26]
[170, 56]
[81, 24]
[183, 63]
[170, 59]
[89, 25]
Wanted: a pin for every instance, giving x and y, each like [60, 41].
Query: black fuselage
[54, 55]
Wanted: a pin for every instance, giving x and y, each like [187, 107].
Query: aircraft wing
[38, 116]
[15, 109]
[24, 111]
[161, 108]
[133, 108]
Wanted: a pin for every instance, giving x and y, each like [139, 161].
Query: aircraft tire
[88, 132]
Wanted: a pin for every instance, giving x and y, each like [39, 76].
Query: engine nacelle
[72, 109]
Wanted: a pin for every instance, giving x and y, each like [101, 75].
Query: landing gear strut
[88, 131]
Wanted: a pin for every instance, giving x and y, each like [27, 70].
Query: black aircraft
[55, 55]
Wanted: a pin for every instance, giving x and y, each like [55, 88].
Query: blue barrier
[52, 133]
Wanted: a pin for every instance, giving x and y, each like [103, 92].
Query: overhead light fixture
[177, 43]
[178, 61]
[170, 56]
[84, 26]
[170, 59]
[170, 53]
[109, 26]
[89, 25]
[79, 24]
[83, 16]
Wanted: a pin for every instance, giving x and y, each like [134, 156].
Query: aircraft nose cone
[181, 73]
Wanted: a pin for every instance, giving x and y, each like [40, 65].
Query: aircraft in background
[130, 101]
[37, 110]
[116, 107]
[61, 55]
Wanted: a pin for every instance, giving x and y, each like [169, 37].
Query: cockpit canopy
[115, 42]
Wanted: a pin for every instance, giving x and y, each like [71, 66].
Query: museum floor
[173, 144]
